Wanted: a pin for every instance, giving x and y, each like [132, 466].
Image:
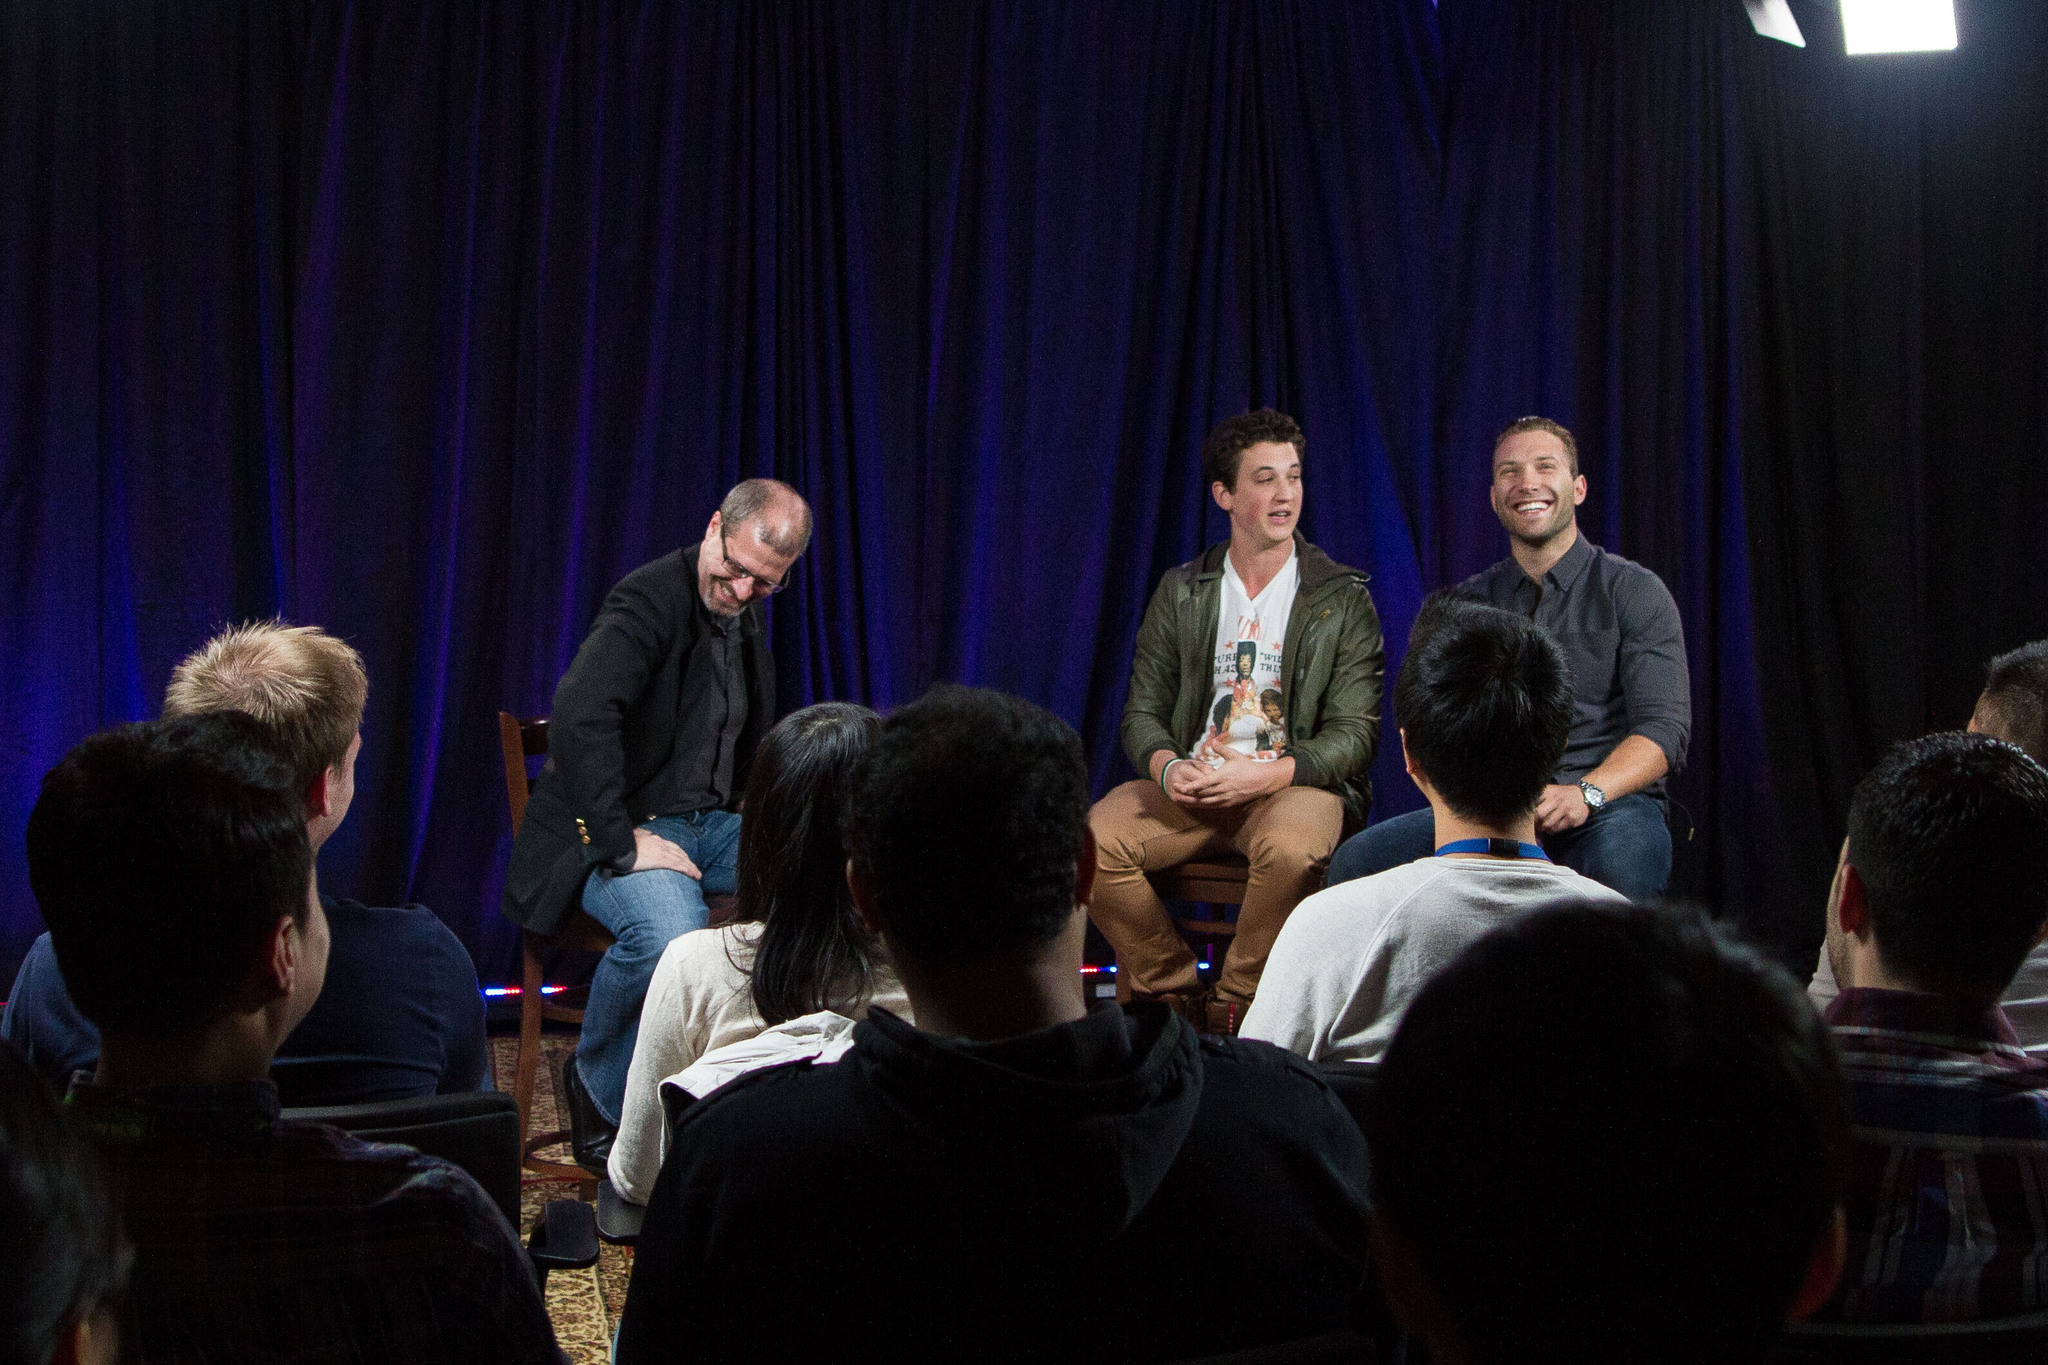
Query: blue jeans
[1624, 845]
[644, 911]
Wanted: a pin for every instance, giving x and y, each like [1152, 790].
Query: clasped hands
[1200, 783]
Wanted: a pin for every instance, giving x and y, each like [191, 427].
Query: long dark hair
[814, 953]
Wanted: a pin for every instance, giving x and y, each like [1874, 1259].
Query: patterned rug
[584, 1304]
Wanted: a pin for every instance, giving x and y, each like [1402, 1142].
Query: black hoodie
[1111, 1189]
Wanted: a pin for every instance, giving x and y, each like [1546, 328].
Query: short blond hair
[304, 686]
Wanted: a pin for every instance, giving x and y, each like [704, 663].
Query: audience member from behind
[401, 1014]
[1013, 1178]
[63, 1263]
[1941, 890]
[172, 864]
[800, 950]
[1484, 702]
[1607, 1135]
[2014, 708]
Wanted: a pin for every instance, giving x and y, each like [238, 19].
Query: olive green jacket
[1331, 667]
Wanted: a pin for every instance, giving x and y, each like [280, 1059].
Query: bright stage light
[1773, 19]
[1899, 25]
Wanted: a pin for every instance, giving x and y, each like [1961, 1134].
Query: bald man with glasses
[653, 727]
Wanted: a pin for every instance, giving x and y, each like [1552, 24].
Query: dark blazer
[612, 733]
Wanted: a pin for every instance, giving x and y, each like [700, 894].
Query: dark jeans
[1624, 845]
[644, 911]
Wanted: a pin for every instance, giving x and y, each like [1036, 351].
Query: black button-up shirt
[715, 693]
[1618, 627]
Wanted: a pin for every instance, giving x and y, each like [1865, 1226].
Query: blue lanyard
[1499, 848]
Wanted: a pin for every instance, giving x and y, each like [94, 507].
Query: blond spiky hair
[304, 685]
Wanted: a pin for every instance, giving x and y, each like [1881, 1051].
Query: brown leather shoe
[1222, 1015]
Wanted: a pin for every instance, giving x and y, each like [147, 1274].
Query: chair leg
[531, 1013]
[529, 1036]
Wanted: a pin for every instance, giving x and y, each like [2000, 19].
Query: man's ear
[1823, 1269]
[1407, 760]
[1221, 494]
[1852, 905]
[282, 959]
[1084, 870]
[863, 898]
[320, 793]
[1415, 773]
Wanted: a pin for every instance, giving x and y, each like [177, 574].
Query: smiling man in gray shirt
[1603, 812]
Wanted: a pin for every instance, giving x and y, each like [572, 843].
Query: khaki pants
[1287, 837]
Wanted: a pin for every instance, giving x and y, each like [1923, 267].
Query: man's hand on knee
[1563, 807]
[650, 851]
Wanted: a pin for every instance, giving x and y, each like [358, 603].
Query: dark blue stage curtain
[426, 322]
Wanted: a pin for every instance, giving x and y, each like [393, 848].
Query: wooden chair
[1218, 880]
[522, 740]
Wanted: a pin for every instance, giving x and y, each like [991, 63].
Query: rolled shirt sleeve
[1654, 678]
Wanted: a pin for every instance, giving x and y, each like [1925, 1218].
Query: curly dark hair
[1949, 834]
[1225, 447]
[968, 820]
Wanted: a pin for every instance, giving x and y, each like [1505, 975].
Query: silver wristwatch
[1595, 798]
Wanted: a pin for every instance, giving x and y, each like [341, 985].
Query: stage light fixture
[1773, 19]
[1898, 26]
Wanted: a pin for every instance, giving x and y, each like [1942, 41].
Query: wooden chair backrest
[521, 740]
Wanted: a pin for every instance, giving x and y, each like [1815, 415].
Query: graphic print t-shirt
[1247, 711]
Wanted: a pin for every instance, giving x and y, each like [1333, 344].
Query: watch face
[1594, 796]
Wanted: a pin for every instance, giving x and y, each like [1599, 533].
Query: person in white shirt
[2014, 708]
[1484, 702]
[799, 949]
[1253, 715]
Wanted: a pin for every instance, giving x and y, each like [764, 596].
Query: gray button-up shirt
[1619, 630]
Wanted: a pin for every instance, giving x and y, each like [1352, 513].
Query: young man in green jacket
[1266, 613]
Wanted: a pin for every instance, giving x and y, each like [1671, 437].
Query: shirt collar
[1867, 1007]
[1572, 567]
[131, 1114]
[1231, 575]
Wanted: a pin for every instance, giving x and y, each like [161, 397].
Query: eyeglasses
[739, 570]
